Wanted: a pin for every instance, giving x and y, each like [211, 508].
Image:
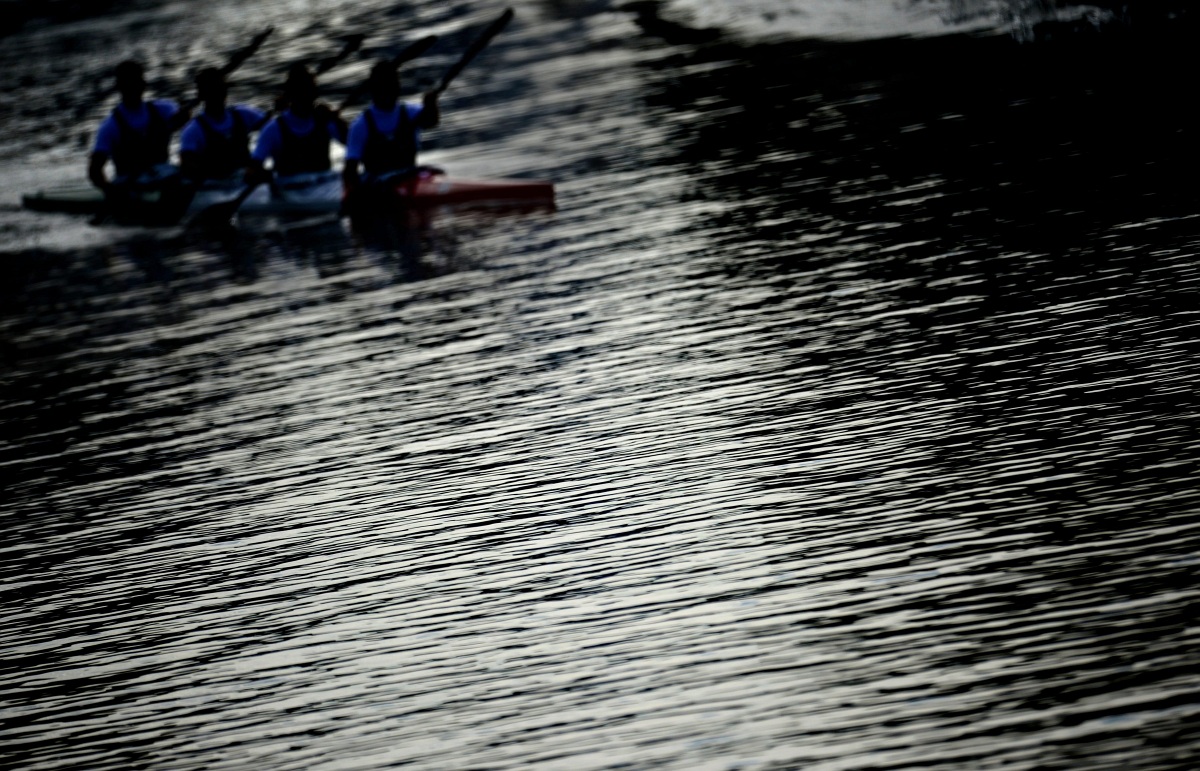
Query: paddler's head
[210, 87]
[384, 84]
[300, 89]
[131, 81]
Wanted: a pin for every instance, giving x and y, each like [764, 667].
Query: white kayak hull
[312, 194]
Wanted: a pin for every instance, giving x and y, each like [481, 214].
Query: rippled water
[842, 416]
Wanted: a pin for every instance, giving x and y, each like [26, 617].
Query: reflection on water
[849, 19]
[842, 416]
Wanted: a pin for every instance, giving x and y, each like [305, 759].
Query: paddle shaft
[236, 203]
[473, 50]
[410, 52]
[353, 43]
[237, 59]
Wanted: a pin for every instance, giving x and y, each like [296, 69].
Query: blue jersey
[385, 121]
[297, 144]
[110, 132]
[194, 138]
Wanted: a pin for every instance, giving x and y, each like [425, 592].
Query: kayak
[313, 194]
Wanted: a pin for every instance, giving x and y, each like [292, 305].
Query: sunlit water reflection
[832, 421]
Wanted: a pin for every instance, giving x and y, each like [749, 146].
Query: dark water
[842, 416]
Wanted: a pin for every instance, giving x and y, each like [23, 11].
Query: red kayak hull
[437, 189]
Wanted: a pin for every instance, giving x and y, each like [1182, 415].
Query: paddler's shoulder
[253, 117]
[165, 107]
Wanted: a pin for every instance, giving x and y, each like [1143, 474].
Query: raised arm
[431, 113]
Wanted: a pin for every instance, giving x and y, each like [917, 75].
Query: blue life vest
[224, 155]
[395, 151]
[137, 152]
[302, 153]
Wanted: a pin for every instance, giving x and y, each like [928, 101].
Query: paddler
[136, 137]
[384, 140]
[297, 141]
[216, 143]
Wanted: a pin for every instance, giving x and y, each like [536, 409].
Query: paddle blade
[220, 214]
[353, 43]
[414, 50]
[216, 215]
[239, 57]
[409, 52]
[473, 50]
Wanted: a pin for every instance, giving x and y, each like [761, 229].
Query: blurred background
[842, 415]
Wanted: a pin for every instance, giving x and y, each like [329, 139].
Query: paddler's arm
[96, 175]
[191, 145]
[350, 176]
[260, 118]
[179, 118]
[328, 115]
[431, 113]
[256, 174]
[355, 145]
[266, 147]
[257, 120]
[107, 137]
[189, 165]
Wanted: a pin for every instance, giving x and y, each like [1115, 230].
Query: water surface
[842, 415]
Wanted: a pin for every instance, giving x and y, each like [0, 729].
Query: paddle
[236, 59]
[239, 57]
[225, 210]
[473, 50]
[353, 43]
[411, 51]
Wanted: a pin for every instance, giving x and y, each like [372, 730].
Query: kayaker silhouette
[385, 138]
[136, 137]
[297, 141]
[216, 143]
